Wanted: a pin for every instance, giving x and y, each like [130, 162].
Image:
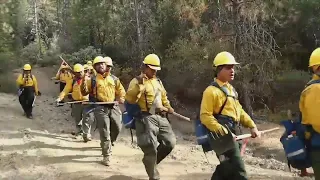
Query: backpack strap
[313, 82]
[215, 84]
[115, 78]
[92, 97]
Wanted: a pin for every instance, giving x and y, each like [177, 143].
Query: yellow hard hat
[85, 67]
[224, 58]
[89, 63]
[27, 67]
[77, 68]
[98, 59]
[108, 61]
[315, 58]
[153, 61]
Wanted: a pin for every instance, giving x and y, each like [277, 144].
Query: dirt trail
[42, 148]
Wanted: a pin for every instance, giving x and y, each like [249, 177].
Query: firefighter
[309, 106]
[28, 89]
[222, 114]
[152, 126]
[63, 75]
[105, 87]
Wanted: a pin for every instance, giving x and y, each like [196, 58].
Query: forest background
[272, 39]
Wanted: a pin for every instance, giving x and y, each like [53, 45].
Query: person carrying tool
[91, 71]
[222, 113]
[103, 89]
[89, 63]
[86, 70]
[63, 75]
[28, 88]
[309, 107]
[152, 126]
[77, 108]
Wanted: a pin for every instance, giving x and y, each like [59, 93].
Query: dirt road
[43, 148]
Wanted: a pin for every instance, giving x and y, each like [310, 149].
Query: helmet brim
[313, 65]
[154, 67]
[235, 63]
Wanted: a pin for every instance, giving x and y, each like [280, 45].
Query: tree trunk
[247, 104]
[139, 30]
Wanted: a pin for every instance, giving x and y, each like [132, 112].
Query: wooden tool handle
[180, 116]
[87, 102]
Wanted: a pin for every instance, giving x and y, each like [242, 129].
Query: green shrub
[82, 56]
[7, 83]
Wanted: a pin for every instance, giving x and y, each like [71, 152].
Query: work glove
[58, 100]
[39, 93]
[170, 110]
[255, 132]
[121, 101]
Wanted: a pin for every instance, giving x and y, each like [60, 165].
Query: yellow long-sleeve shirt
[64, 77]
[106, 88]
[73, 86]
[135, 93]
[309, 105]
[213, 99]
[27, 81]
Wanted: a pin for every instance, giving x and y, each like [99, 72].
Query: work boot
[106, 161]
[30, 116]
[78, 133]
[87, 137]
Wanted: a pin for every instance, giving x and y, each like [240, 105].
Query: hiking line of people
[96, 94]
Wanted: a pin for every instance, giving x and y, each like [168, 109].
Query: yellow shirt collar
[315, 77]
[220, 83]
[103, 75]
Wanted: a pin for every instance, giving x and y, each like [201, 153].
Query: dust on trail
[42, 148]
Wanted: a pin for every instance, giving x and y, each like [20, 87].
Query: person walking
[105, 88]
[222, 114]
[154, 133]
[28, 89]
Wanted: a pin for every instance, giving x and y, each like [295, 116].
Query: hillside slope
[42, 148]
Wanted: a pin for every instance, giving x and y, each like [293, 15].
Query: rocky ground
[43, 148]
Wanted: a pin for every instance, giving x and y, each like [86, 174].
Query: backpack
[31, 76]
[201, 131]
[133, 112]
[21, 89]
[295, 146]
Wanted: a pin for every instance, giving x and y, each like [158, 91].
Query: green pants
[315, 155]
[231, 166]
[78, 114]
[151, 130]
[109, 120]
[87, 121]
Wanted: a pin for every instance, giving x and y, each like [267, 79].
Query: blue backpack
[295, 145]
[133, 112]
[201, 131]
